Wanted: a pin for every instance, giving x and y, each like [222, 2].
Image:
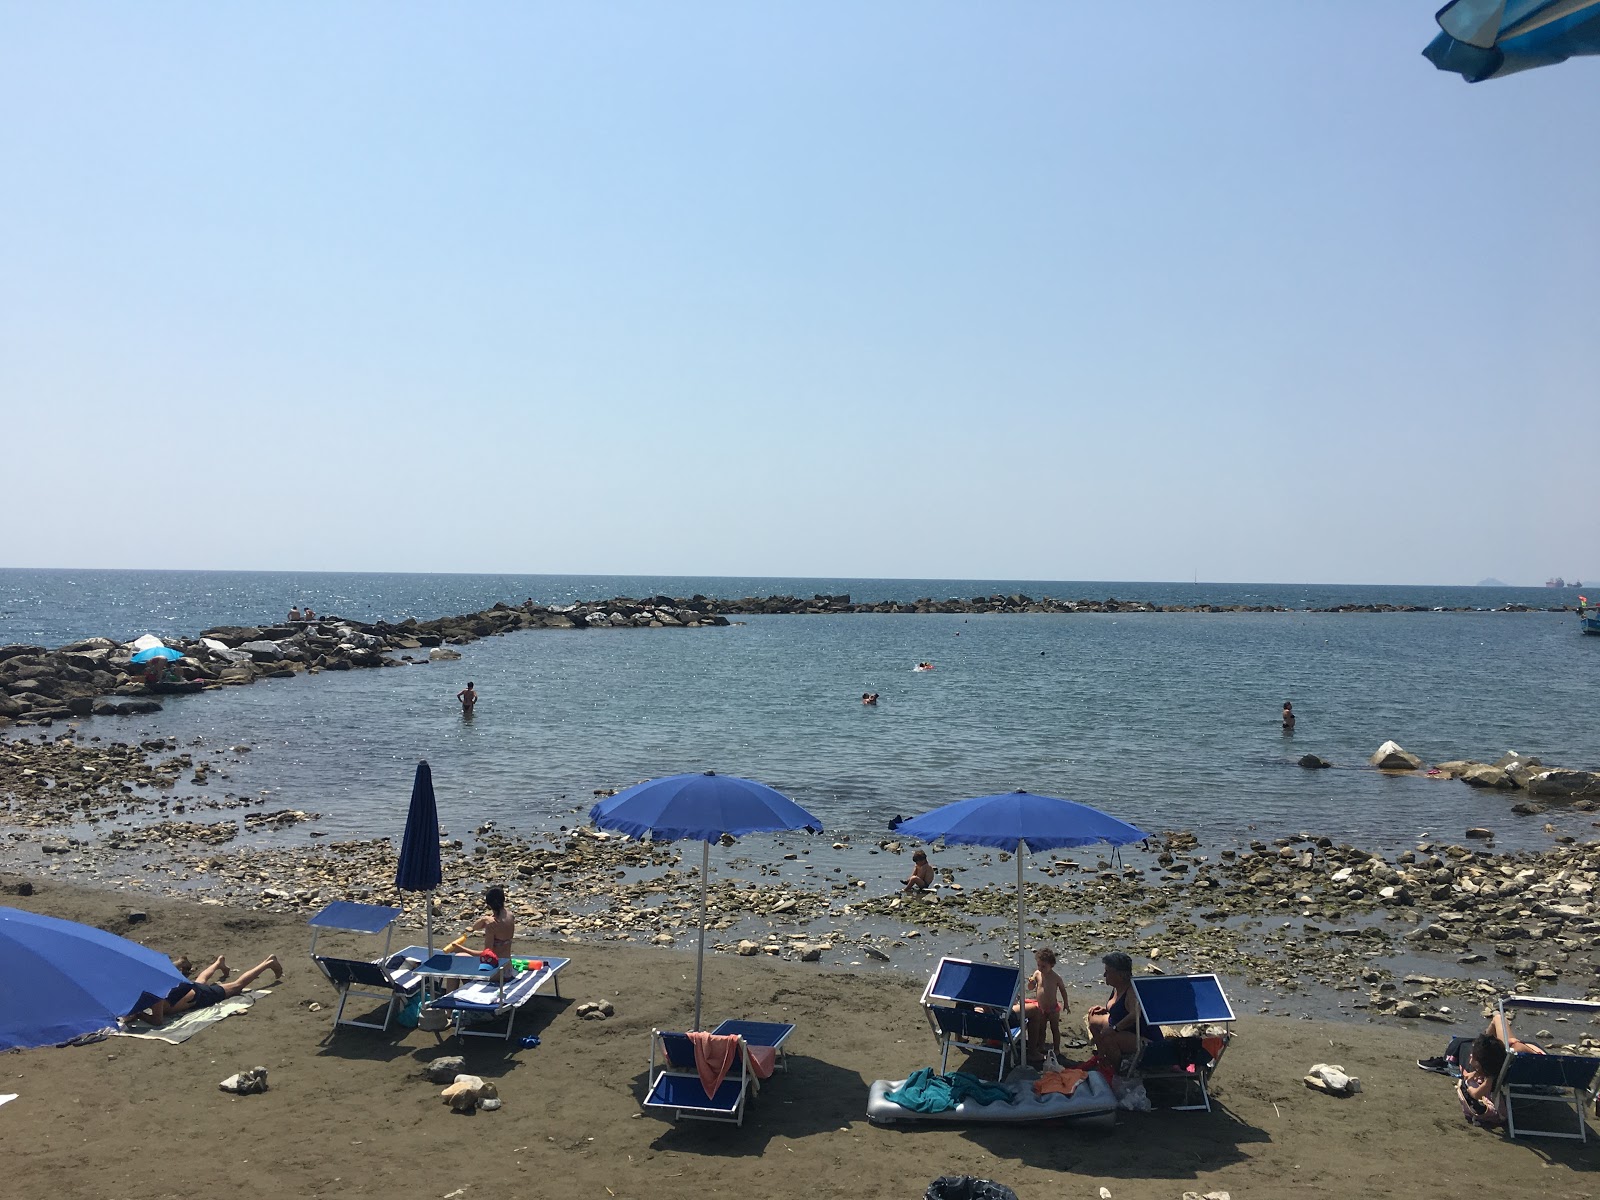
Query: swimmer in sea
[1288, 715]
[468, 697]
[869, 697]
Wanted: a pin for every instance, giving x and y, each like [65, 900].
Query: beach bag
[965, 1187]
[1485, 1114]
[412, 1012]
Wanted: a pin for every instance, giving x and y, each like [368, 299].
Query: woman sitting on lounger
[1114, 1026]
[498, 927]
[203, 992]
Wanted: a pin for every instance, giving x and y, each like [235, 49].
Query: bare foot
[221, 969]
[277, 969]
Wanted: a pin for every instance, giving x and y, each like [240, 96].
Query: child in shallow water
[921, 877]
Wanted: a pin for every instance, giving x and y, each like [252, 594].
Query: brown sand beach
[350, 1115]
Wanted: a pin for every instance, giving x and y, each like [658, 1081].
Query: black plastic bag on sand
[965, 1187]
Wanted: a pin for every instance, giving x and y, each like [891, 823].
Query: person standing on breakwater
[468, 697]
[1288, 717]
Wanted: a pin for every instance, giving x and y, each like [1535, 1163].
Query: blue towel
[924, 1091]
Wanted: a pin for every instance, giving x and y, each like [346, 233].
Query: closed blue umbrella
[1485, 39]
[1018, 821]
[419, 870]
[163, 652]
[60, 980]
[700, 807]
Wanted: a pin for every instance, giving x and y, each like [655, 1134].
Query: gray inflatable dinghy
[1092, 1104]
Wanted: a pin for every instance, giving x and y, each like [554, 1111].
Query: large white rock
[148, 642]
[1391, 756]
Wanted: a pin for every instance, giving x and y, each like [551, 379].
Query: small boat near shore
[1588, 616]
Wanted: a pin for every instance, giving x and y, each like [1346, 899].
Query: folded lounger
[1170, 1001]
[391, 981]
[488, 1001]
[971, 1002]
[757, 1034]
[1528, 1082]
[675, 1084]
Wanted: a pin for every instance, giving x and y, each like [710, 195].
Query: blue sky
[1026, 290]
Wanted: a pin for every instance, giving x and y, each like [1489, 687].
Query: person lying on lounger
[1453, 1061]
[204, 991]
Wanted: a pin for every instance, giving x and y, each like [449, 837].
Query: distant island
[1492, 583]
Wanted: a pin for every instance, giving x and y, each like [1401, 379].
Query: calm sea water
[1167, 720]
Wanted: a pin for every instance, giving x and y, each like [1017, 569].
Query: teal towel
[924, 1091]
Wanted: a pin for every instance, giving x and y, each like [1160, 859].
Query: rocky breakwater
[1543, 785]
[1017, 602]
[98, 677]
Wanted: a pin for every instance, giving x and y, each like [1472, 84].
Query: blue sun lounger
[675, 1085]
[970, 1002]
[760, 1033]
[1169, 1001]
[1567, 1081]
[485, 1001]
[392, 981]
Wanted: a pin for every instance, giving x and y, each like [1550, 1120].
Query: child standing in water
[1046, 1000]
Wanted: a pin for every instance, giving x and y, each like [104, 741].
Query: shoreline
[349, 1114]
[1297, 922]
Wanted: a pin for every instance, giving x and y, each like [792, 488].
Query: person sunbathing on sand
[203, 992]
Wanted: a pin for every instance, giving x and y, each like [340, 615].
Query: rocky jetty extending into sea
[1017, 602]
[98, 677]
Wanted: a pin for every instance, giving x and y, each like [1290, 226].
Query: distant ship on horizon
[1559, 582]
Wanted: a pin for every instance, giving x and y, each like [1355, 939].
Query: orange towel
[762, 1060]
[1065, 1081]
[714, 1057]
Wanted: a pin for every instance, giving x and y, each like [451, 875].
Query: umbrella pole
[427, 898]
[1022, 904]
[700, 960]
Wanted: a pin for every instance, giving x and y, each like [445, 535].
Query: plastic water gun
[527, 964]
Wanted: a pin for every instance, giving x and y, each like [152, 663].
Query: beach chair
[970, 1003]
[347, 916]
[1195, 1019]
[675, 1085]
[1529, 1083]
[484, 1002]
[758, 1034]
[393, 982]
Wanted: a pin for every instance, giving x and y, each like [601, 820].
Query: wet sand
[350, 1116]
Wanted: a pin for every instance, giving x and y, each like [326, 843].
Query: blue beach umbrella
[700, 807]
[60, 980]
[1018, 821]
[1485, 39]
[163, 652]
[419, 870]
